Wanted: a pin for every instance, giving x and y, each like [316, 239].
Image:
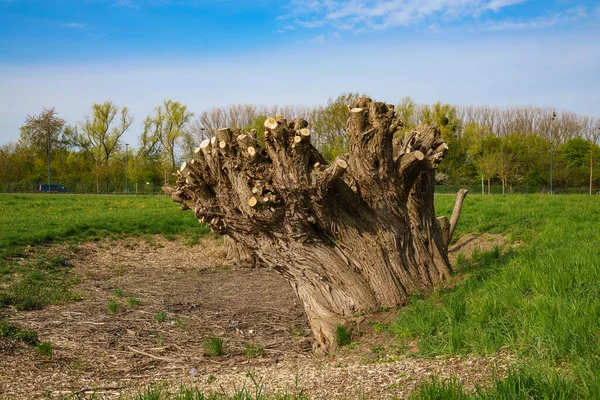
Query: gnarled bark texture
[350, 236]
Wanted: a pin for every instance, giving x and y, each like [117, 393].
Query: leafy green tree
[41, 134]
[457, 163]
[406, 112]
[170, 121]
[102, 131]
[328, 125]
[258, 124]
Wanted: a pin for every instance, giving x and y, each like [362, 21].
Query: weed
[211, 378]
[254, 350]
[380, 327]
[10, 331]
[160, 339]
[133, 302]
[180, 322]
[45, 349]
[342, 335]
[160, 316]
[118, 292]
[213, 346]
[296, 331]
[113, 306]
[353, 345]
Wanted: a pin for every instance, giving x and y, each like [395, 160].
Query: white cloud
[73, 25]
[320, 39]
[360, 15]
[496, 5]
[557, 19]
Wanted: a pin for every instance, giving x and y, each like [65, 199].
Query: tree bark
[351, 236]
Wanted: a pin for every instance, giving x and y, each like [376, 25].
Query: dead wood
[350, 236]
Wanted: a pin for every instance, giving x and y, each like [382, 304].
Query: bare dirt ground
[120, 353]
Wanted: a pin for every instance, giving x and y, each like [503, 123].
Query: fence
[497, 189]
[148, 188]
[142, 188]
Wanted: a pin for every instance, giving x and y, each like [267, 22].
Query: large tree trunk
[351, 236]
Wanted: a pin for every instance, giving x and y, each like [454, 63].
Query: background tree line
[507, 146]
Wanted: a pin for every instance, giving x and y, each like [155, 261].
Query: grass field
[28, 283]
[33, 219]
[539, 302]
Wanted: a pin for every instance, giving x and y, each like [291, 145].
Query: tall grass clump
[213, 346]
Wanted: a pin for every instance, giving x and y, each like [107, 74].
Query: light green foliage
[328, 126]
[169, 124]
[258, 124]
[406, 112]
[101, 133]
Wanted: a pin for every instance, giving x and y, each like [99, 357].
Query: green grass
[343, 336]
[254, 350]
[255, 391]
[45, 349]
[134, 302]
[39, 219]
[10, 331]
[160, 316]
[113, 306]
[33, 283]
[540, 301]
[213, 346]
[522, 383]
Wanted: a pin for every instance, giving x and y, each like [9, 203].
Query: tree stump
[350, 236]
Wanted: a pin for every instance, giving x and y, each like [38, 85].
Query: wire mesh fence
[141, 188]
[150, 188]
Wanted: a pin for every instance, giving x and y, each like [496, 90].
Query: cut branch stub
[350, 236]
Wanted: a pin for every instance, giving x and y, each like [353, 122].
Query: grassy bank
[539, 302]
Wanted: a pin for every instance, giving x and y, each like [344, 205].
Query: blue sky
[70, 54]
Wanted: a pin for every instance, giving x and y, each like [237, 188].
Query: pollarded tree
[350, 236]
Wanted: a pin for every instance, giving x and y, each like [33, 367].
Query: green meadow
[537, 299]
[39, 218]
[538, 302]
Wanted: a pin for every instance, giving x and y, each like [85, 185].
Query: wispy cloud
[360, 15]
[557, 19]
[73, 25]
[496, 5]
